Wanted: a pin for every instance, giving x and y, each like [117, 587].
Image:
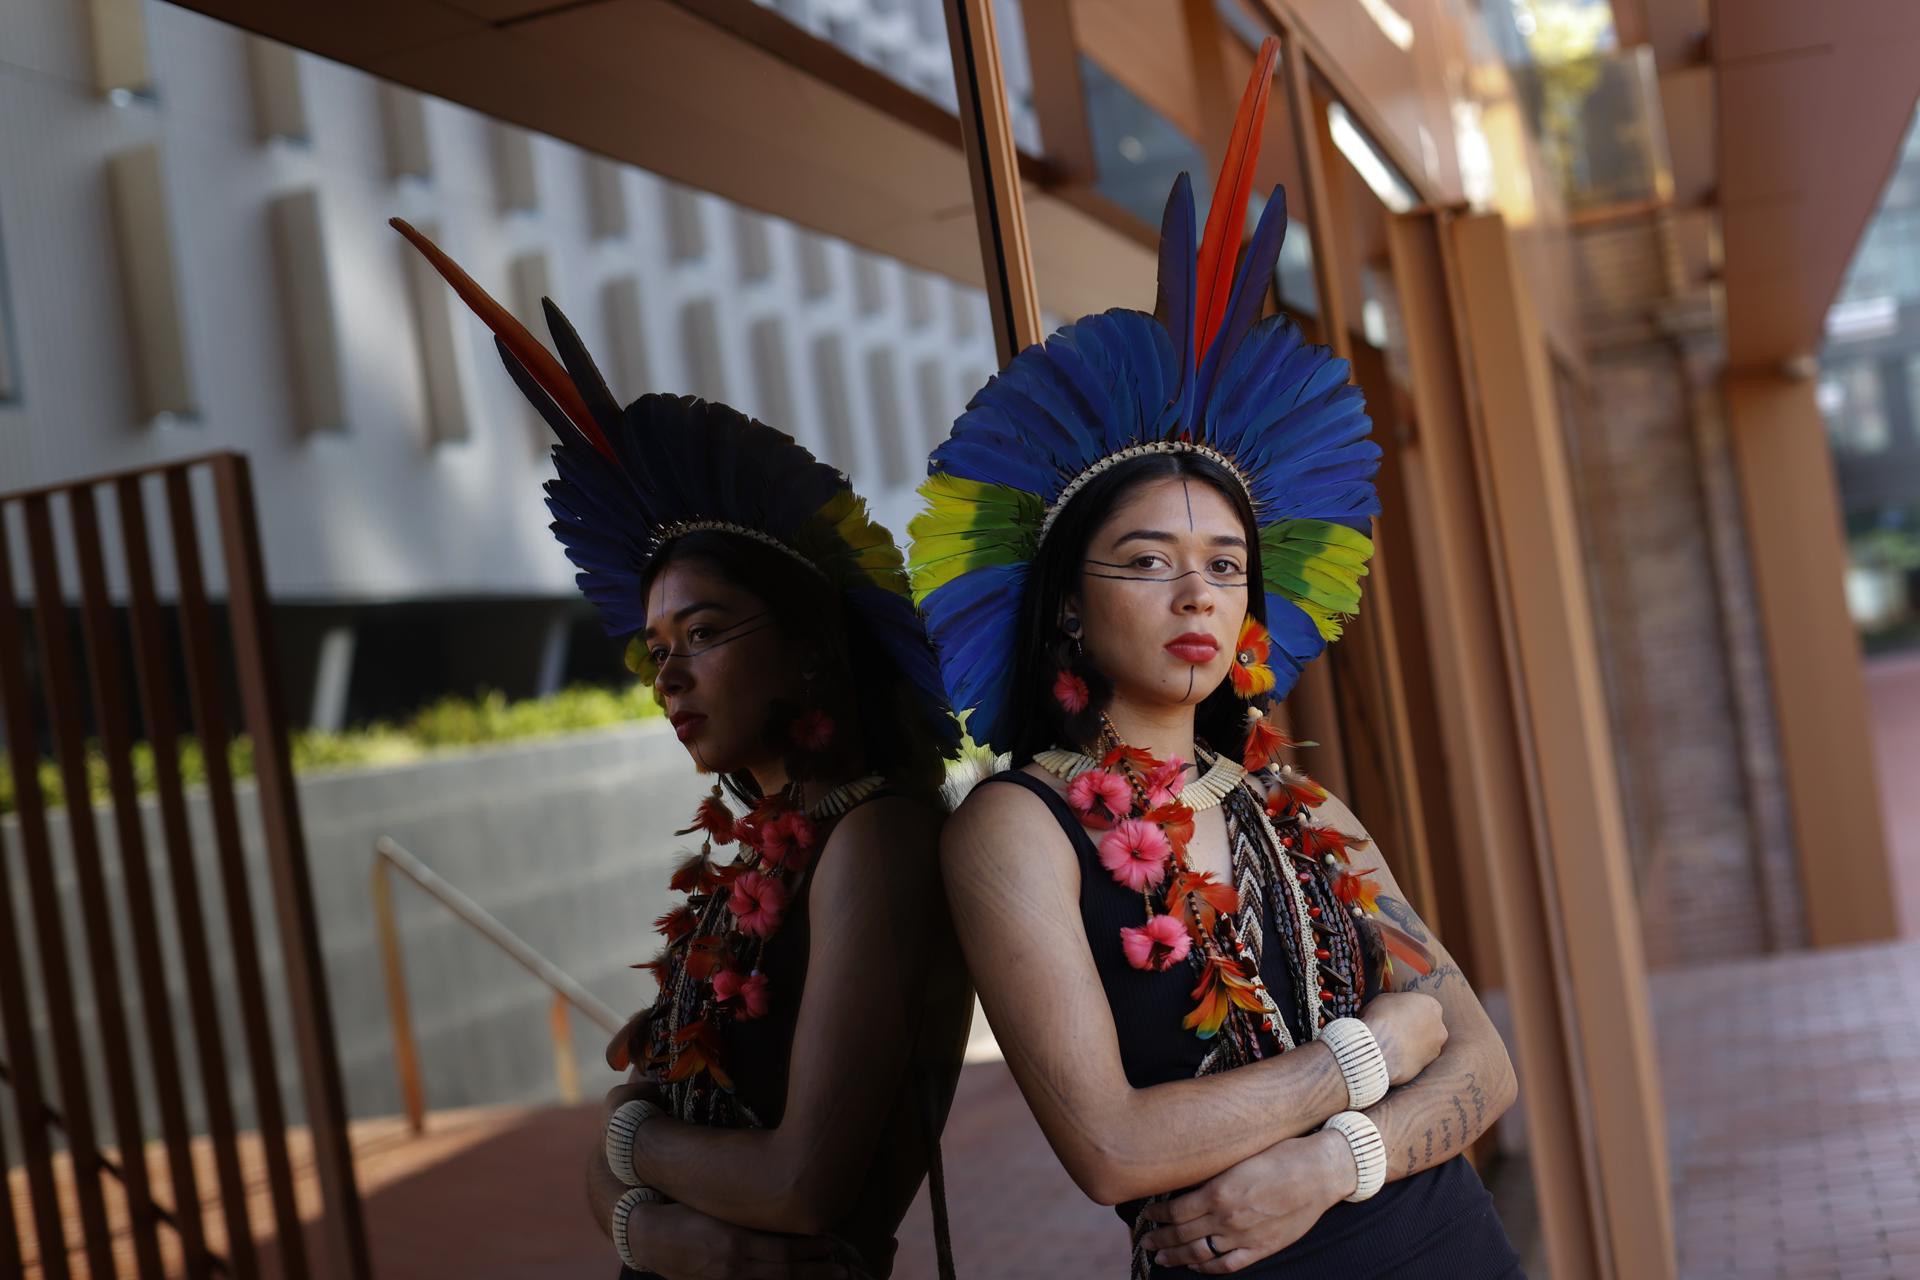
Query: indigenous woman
[1206, 982]
[790, 1080]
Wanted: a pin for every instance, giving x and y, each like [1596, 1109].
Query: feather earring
[1080, 693]
[1250, 673]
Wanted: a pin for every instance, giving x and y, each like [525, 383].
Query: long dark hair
[856, 678]
[1044, 652]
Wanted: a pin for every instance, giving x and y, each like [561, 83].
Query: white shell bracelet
[1369, 1152]
[617, 1221]
[626, 1122]
[1361, 1060]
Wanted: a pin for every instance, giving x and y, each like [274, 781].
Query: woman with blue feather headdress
[788, 1084]
[1222, 1011]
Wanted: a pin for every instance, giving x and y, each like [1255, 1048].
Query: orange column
[1555, 685]
[1799, 564]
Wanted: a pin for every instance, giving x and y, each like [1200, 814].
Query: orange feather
[544, 367]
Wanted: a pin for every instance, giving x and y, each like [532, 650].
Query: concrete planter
[566, 840]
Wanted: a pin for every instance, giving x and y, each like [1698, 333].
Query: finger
[617, 1057]
[1184, 1255]
[1183, 1232]
[1179, 1209]
[1227, 1263]
[1180, 1233]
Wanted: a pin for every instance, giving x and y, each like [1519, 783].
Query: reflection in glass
[1869, 392]
[1374, 168]
[906, 40]
[1137, 151]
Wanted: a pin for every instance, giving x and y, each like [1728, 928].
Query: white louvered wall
[194, 255]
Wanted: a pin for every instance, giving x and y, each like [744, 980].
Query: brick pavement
[1793, 1101]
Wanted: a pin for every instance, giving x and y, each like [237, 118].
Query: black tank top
[1437, 1223]
[760, 1052]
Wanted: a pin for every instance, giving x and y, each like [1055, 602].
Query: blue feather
[1251, 284]
[1174, 302]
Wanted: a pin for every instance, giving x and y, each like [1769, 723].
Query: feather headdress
[1204, 374]
[630, 481]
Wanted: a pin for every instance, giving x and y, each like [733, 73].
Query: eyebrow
[1159, 535]
[681, 614]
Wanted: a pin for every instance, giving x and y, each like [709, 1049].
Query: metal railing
[388, 854]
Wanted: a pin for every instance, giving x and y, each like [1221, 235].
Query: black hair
[1039, 721]
[856, 680]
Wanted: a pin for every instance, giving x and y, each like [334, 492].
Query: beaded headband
[1079, 482]
[681, 528]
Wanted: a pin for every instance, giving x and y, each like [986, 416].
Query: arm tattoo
[1435, 980]
[1479, 1098]
[1402, 914]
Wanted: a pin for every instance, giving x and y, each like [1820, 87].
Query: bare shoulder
[890, 840]
[892, 820]
[1001, 826]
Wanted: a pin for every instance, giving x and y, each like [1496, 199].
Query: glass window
[1137, 151]
[1856, 416]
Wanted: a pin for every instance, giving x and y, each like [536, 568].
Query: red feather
[1215, 898]
[541, 364]
[1317, 841]
[1404, 947]
[712, 817]
[1263, 743]
[1176, 820]
[1135, 756]
[1227, 213]
[691, 873]
[677, 923]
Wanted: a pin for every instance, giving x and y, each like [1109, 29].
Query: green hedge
[448, 723]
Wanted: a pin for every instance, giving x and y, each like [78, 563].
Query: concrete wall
[567, 841]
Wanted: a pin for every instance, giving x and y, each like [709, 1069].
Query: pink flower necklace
[709, 971]
[1147, 817]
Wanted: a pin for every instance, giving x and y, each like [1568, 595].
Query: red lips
[1196, 647]
[686, 723]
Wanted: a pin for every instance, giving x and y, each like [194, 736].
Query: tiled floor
[1793, 1102]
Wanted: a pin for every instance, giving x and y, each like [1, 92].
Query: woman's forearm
[1439, 1113]
[759, 1178]
[1158, 1139]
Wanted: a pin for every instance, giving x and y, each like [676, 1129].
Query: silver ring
[1213, 1248]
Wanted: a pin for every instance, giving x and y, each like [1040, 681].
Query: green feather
[968, 525]
[1318, 565]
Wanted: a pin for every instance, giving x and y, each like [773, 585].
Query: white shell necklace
[1204, 792]
[845, 796]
